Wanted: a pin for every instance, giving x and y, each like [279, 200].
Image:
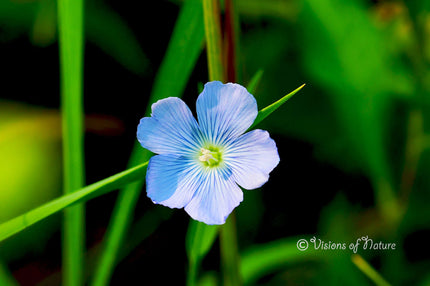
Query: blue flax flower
[200, 165]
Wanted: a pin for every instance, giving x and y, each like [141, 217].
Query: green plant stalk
[70, 15]
[368, 270]
[181, 56]
[230, 260]
[213, 40]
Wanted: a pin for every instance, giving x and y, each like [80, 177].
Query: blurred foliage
[30, 149]
[365, 113]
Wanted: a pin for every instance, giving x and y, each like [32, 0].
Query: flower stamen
[210, 157]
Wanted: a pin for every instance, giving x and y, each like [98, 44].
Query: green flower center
[210, 156]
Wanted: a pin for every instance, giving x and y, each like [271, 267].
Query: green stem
[6, 278]
[213, 39]
[368, 270]
[70, 14]
[193, 266]
[229, 253]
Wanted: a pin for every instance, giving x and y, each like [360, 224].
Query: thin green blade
[15, 225]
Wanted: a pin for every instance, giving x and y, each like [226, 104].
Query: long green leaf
[181, 56]
[263, 113]
[70, 14]
[15, 225]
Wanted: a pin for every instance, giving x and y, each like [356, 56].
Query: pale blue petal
[225, 111]
[251, 158]
[171, 129]
[215, 199]
[172, 180]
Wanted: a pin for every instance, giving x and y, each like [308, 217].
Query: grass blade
[15, 225]
[263, 113]
[368, 270]
[70, 14]
[181, 56]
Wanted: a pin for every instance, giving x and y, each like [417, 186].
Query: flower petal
[225, 111]
[215, 199]
[171, 129]
[251, 158]
[172, 180]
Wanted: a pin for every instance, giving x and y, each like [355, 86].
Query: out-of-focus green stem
[70, 15]
[192, 272]
[368, 270]
[6, 279]
[213, 39]
[229, 253]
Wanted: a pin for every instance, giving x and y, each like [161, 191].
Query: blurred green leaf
[15, 225]
[6, 279]
[255, 80]
[208, 279]
[107, 30]
[368, 270]
[199, 240]
[360, 81]
[45, 23]
[269, 8]
[261, 260]
[103, 27]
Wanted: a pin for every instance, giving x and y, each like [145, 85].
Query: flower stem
[213, 39]
[229, 253]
